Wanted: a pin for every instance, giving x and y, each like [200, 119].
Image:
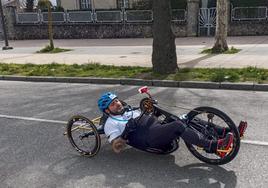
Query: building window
[85, 4]
[122, 4]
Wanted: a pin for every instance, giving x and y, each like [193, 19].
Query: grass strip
[249, 74]
[231, 50]
[48, 49]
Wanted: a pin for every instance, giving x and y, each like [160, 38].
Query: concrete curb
[237, 86]
[165, 83]
[140, 82]
[260, 87]
[203, 85]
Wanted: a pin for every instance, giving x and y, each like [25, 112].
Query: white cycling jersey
[115, 125]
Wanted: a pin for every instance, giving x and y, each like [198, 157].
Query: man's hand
[118, 144]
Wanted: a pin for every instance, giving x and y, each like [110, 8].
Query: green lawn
[231, 50]
[250, 74]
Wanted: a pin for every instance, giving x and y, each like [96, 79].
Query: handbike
[85, 134]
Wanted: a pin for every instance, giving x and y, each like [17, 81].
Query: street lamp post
[6, 47]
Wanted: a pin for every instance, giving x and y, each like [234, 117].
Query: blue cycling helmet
[105, 100]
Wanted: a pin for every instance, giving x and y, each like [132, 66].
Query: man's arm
[118, 144]
[118, 140]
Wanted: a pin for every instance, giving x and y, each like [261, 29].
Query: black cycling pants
[161, 135]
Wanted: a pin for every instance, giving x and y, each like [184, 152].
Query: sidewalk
[137, 52]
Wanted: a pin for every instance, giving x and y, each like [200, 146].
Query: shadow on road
[138, 169]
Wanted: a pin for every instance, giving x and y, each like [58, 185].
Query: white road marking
[32, 119]
[252, 142]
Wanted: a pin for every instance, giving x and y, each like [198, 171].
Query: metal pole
[123, 9]
[208, 31]
[6, 47]
[93, 11]
[93, 5]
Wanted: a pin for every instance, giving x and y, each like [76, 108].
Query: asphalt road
[36, 154]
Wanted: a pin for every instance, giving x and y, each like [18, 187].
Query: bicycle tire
[236, 144]
[89, 131]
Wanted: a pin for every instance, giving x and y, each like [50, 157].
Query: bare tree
[164, 57]
[221, 27]
[46, 4]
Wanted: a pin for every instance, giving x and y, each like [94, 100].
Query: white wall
[70, 4]
[104, 4]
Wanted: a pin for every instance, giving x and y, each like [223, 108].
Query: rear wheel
[83, 135]
[209, 121]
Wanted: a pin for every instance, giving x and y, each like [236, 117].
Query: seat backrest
[103, 119]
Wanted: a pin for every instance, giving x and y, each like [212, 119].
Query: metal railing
[57, 17]
[80, 16]
[138, 16]
[114, 16]
[108, 16]
[28, 17]
[249, 13]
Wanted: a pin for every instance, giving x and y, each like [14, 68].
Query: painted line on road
[251, 142]
[32, 119]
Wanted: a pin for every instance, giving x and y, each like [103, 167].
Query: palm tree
[221, 27]
[46, 4]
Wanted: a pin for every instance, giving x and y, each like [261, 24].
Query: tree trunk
[50, 32]
[164, 57]
[221, 27]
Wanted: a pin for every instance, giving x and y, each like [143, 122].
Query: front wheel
[210, 121]
[83, 135]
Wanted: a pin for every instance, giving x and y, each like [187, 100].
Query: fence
[139, 16]
[115, 16]
[108, 16]
[27, 17]
[57, 17]
[80, 16]
[249, 13]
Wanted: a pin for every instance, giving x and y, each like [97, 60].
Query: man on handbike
[144, 132]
